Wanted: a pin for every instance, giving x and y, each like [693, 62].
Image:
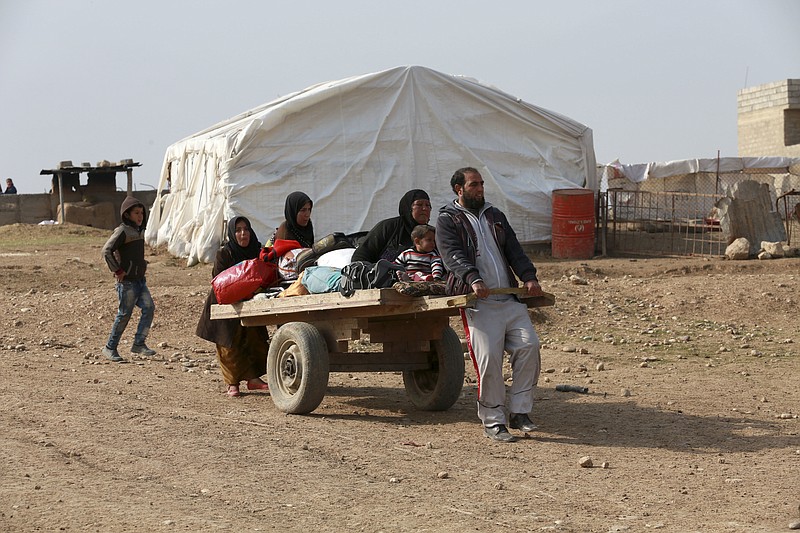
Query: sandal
[233, 391]
[257, 384]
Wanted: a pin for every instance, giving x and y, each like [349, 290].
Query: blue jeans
[132, 294]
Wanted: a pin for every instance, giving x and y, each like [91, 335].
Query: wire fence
[679, 215]
[661, 223]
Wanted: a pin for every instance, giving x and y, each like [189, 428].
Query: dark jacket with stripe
[455, 240]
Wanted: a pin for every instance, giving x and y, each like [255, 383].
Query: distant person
[297, 225]
[391, 236]
[124, 255]
[422, 262]
[241, 351]
[481, 252]
[10, 189]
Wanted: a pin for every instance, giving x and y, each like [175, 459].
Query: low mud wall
[35, 208]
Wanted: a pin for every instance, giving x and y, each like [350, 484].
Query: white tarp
[709, 179]
[640, 172]
[355, 146]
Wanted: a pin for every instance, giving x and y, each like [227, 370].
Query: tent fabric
[356, 145]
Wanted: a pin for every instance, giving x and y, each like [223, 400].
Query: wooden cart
[315, 331]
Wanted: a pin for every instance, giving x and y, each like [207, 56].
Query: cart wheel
[297, 368]
[438, 389]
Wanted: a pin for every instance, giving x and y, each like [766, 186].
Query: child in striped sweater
[422, 262]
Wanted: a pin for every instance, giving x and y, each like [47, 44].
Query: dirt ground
[691, 419]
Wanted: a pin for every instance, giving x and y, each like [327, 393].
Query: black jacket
[455, 240]
[124, 250]
[384, 241]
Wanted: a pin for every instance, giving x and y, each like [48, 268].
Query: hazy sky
[656, 80]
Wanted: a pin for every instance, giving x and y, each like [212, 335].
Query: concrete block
[34, 208]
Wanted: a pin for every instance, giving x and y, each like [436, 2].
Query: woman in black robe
[241, 351]
[391, 236]
[297, 225]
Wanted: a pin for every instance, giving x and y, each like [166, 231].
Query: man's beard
[473, 202]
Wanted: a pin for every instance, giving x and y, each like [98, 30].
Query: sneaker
[499, 433]
[113, 355]
[142, 349]
[521, 422]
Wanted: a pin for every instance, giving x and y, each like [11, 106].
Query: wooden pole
[544, 300]
[61, 198]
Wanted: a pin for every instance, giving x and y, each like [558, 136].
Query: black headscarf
[405, 208]
[237, 252]
[294, 203]
[391, 236]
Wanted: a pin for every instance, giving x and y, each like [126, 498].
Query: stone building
[94, 204]
[769, 119]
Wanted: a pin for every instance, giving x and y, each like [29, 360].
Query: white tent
[355, 146]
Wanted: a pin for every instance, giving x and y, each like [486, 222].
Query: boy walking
[124, 255]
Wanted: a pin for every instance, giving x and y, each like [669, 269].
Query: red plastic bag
[242, 280]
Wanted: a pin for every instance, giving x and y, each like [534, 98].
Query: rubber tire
[439, 388]
[298, 366]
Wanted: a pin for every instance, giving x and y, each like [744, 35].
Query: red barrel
[573, 224]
